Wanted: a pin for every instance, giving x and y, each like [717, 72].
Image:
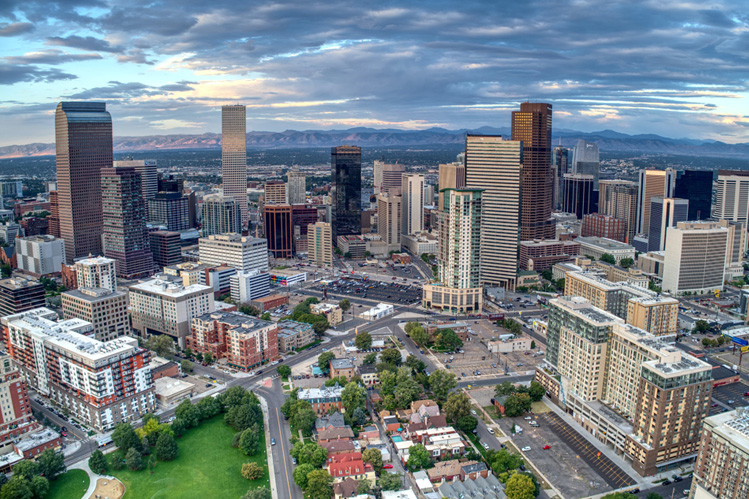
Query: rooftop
[93, 294]
[19, 282]
[733, 426]
[341, 364]
[165, 287]
[322, 392]
[604, 242]
[36, 439]
[585, 309]
[95, 260]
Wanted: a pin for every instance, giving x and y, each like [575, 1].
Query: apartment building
[100, 383]
[331, 311]
[105, 309]
[16, 418]
[320, 244]
[241, 252]
[323, 398]
[658, 314]
[20, 293]
[294, 335]
[696, 257]
[732, 196]
[96, 272]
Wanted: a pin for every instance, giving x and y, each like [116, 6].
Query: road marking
[283, 452]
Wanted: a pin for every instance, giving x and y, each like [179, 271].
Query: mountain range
[607, 140]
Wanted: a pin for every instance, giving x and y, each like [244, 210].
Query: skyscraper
[388, 178]
[451, 176]
[125, 234]
[320, 244]
[652, 183]
[83, 140]
[560, 160]
[494, 165]
[696, 256]
[732, 196]
[220, 214]
[275, 192]
[278, 230]
[413, 203]
[664, 213]
[696, 186]
[532, 126]
[234, 156]
[389, 220]
[578, 194]
[618, 198]
[149, 176]
[297, 187]
[587, 160]
[346, 190]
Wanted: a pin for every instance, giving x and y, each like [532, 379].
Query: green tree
[97, 462]
[418, 458]
[151, 464]
[458, 405]
[363, 487]
[520, 486]
[370, 358]
[300, 475]
[345, 305]
[502, 460]
[145, 446]
[416, 364]
[618, 495]
[441, 382]
[284, 371]
[358, 417]
[51, 464]
[208, 358]
[391, 356]
[249, 442]
[134, 459]
[448, 340]
[261, 493]
[533, 344]
[39, 486]
[319, 485]
[654, 495]
[199, 357]
[701, 326]
[310, 453]
[252, 471]
[467, 423]
[265, 316]
[390, 481]
[26, 469]
[353, 396]
[363, 340]
[536, 391]
[407, 389]
[188, 352]
[17, 488]
[304, 418]
[408, 328]
[374, 457]
[626, 262]
[512, 326]
[504, 388]
[161, 344]
[241, 417]
[179, 427]
[608, 258]
[248, 310]
[209, 407]
[166, 447]
[420, 336]
[125, 438]
[186, 366]
[323, 361]
[517, 404]
[237, 395]
[707, 342]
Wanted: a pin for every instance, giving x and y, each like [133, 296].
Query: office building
[219, 215]
[696, 186]
[278, 230]
[696, 256]
[494, 165]
[169, 209]
[161, 306]
[248, 286]
[428, 195]
[542, 255]
[597, 225]
[664, 213]
[96, 272]
[320, 244]
[16, 418]
[83, 141]
[275, 192]
[653, 183]
[166, 248]
[11, 188]
[54, 215]
[586, 160]
[345, 191]
[241, 252]
[149, 176]
[125, 234]
[105, 309]
[732, 196]
[451, 176]
[459, 288]
[532, 125]
[234, 156]
[9, 231]
[297, 187]
[579, 195]
[561, 162]
[618, 199]
[388, 178]
[737, 241]
[722, 467]
[245, 342]
[98, 383]
[412, 194]
[599, 246]
[35, 226]
[19, 293]
[40, 255]
[302, 216]
[389, 220]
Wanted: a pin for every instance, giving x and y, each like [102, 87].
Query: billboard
[739, 341]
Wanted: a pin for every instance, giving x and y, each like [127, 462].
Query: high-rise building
[494, 165]
[618, 199]
[696, 256]
[248, 286]
[560, 162]
[220, 214]
[278, 230]
[722, 468]
[54, 214]
[166, 248]
[732, 196]
[302, 216]
[275, 192]
[388, 178]
[19, 293]
[737, 241]
[320, 244]
[459, 288]
[346, 190]
[389, 220]
[696, 186]
[297, 187]
[40, 255]
[598, 225]
[16, 418]
[579, 195]
[170, 209]
[96, 272]
[99, 383]
[652, 183]
[105, 309]
[664, 213]
[428, 195]
[532, 126]
[234, 156]
[124, 214]
[586, 160]
[451, 176]
[413, 203]
[149, 175]
[241, 252]
[83, 140]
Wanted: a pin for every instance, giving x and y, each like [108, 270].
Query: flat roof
[161, 286]
[732, 426]
[604, 242]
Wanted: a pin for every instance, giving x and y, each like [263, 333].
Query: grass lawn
[70, 485]
[206, 466]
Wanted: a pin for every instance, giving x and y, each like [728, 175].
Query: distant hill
[607, 140]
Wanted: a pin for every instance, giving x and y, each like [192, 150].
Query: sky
[673, 68]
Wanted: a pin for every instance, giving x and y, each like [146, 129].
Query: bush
[252, 471]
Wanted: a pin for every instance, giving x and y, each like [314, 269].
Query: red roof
[349, 468]
[347, 457]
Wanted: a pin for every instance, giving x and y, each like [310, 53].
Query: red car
[547, 447]
[387, 466]
[746, 394]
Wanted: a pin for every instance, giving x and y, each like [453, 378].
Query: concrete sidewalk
[269, 451]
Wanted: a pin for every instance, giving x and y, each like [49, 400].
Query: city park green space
[70, 485]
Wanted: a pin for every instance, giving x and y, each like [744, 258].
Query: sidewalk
[83, 465]
[269, 451]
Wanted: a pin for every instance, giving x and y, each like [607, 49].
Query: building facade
[696, 186]
[96, 272]
[597, 225]
[413, 203]
[166, 248]
[653, 183]
[664, 213]
[732, 196]
[241, 252]
[171, 210]
[695, 257]
[40, 255]
[149, 176]
[16, 417]
[19, 293]
[579, 195]
[297, 187]
[389, 219]
[105, 309]
[219, 215]
[248, 286]
[278, 230]
[346, 190]
[234, 156]
[320, 244]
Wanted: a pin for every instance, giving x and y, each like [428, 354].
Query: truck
[495, 317]
[506, 337]
[104, 441]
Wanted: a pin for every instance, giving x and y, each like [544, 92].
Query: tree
[520, 486]
[467, 423]
[51, 464]
[608, 258]
[97, 462]
[188, 352]
[345, 305]
[310, 453]
[707, 342]
[338, 251]
[304, 418]
[284, 371]
[319, 485]
[323, 361]
[252, 471]
[353, 396]
[418, 458]
[186, 366]
[249, 442]
[363, 487]
[701, 326]
[517, 404]
[166, 447]
[512, 326]
[208, 357]
[420, 336]
[248, 310]
[261, 493]
[416, 364]
[134, 459]
[300, 475]
[151, 464]
[199, 357]
[536, 391]
[618, 495]
[125, 438]
[363, 340]
[17, 488]
[26, 469]
[391, 356]
[448, 340]
[533, 344]
[406, 388]
[241, 417]
[188, 413]
[441, 382]
[236, 395]
[370, 358]
[626, 262]
[358, 417]
[390, 481]
[409, 327]
[458, 405]
[209, 407]
[39, 486]
[265, 316]
[179, 427]
[161, 344]
[654, 495]
[374, 457]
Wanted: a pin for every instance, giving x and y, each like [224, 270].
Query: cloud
[25, 73]
[51, 57]
[85, 43]
[15, 29]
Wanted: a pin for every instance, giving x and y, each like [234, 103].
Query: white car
[525, 449]
[473, 412]
[491, 430]
[485, 445]
[527, 418]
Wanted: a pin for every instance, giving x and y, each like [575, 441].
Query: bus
[104, 441]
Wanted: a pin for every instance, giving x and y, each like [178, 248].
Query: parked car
[666, 482]
[485, 445]
[525, 449]
[473, 412]
[387, 466]
[491, 430]
[273, 441]
[547, 447]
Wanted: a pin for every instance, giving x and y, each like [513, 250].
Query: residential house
[343, 466]
[499, 403]
[417, 404]
[323, 398]
[445, 471]
[391, 423]
[342, 367]
[368, 374]
[430, 422]
[472, 470]
[382, 447]
[424, 411]
[369, 433]
[345, 489]
[345, 433]
[486, 488]
[334, 420]
[335, 447]
[420, 436]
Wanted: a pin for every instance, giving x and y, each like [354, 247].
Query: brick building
[597, 225]
[322, 399]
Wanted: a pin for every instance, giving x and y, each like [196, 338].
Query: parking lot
[387, 292]
[731, 395]
[571, 463]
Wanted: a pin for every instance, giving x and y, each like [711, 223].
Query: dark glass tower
[346, 190]
[696, 186]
